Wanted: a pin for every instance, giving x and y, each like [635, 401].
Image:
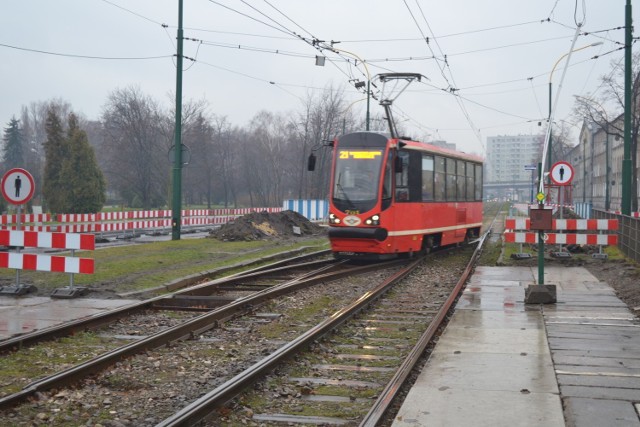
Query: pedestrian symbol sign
[17, 186]
[561, 173]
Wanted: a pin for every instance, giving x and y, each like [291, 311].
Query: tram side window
[439, 179]
[427, 178]
[460, 179]
[478, 182]
[402, 179]
[451, 180]
[470, 183]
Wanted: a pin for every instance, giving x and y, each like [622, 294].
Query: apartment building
[508, 174]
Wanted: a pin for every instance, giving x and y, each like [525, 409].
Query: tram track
[173, 300]
[201, 358]
[307, 274]
[370, 370]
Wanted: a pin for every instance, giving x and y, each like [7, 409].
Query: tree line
[124, 158]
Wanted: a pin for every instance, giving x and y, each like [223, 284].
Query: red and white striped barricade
[581, 232]
[106, 222]
[41, 262]
[29, 222]
[132, 221]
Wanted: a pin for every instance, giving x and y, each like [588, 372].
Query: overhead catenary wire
[461, 105]
[74, 55]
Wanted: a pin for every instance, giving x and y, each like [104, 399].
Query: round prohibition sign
[17, 186]
[561, 173]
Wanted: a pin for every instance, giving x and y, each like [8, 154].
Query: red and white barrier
[565, 224]
[562, 238]
[24, 218]
[517, 231]
[123, 221]
[32, 239]
[59, 264]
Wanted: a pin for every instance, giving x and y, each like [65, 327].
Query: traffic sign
[17, 186]
[561, 173]
[530, 167]
[540, 197]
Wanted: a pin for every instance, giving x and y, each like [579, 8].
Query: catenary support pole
[176, 204]
[626, 160]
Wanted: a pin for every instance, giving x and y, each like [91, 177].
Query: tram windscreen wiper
[344, 193]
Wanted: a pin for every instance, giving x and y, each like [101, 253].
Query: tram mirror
[311, 162]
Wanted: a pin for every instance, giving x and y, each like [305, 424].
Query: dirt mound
[265, 226]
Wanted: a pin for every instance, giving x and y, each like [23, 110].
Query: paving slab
[492, 365]
[597, 413]
[500, 362]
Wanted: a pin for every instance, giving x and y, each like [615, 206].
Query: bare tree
[135, 149]
[223, 159]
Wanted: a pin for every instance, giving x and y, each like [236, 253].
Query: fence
[313, 210]
[628, 232]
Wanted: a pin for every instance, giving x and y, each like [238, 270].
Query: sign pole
[17, 187]
[540, 237]
[541, 220]
[19, 227]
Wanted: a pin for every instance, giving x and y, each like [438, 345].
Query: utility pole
[176, 205]
[626, 160]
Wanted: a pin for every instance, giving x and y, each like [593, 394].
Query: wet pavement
[503, 363]
[21, 315]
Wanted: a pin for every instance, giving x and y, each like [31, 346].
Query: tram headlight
[373, 220]
[333, 219]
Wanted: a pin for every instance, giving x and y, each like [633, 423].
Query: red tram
[390, 196]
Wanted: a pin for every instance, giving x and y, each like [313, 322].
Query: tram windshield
[357, 178]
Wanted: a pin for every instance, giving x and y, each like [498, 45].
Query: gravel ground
[144, 390]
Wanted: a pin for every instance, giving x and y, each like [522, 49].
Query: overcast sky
[258, 55]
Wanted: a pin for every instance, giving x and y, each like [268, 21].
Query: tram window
[460, 178]
[470, 183]
[402, 178]
[478, 179]
[439, 179]
[427, 178]
[451, 180]
[387, 180]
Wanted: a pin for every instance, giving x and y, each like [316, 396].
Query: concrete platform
[21, 315]
[503, 363]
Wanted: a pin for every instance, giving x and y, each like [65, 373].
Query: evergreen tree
[13, 145]
[85, 186]
[56, 151]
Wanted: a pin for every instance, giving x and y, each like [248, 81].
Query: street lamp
[358, 85]
[344, 112]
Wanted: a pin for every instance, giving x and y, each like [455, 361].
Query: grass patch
[137, 267]
[490, 254]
